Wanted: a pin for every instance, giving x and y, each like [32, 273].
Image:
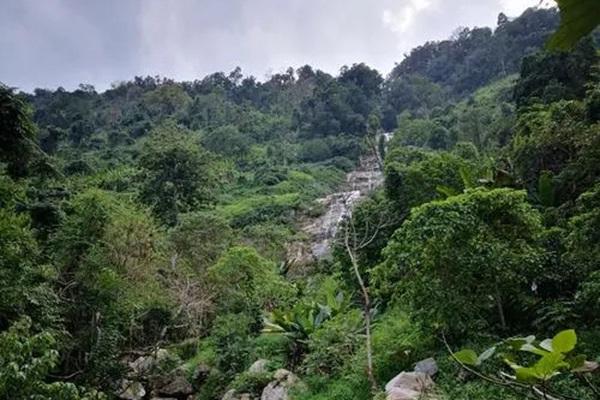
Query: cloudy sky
[50, 43]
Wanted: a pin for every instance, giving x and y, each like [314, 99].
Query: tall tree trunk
[367, 312]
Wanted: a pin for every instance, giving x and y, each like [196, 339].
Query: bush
[252, 383]
[231, 336]
[334, 343]
[464, 263]
[274, 348]
[397, 343]
[200, 238]
[247, 283]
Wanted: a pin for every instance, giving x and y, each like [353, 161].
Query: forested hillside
[145, 230]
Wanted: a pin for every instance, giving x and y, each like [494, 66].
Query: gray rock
[259, 366]
[232, 395]
[285, 376]
[409, 386]
[278, 389]
[174, 384]
[131, 390]
[427, 366]
[146, 364]
[275, 391]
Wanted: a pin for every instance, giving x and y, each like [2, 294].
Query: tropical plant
[555, 357]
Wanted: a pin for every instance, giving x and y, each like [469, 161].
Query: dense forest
[145, 230]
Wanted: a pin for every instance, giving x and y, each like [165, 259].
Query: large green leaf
[467, 357]
[564, 341]
[577, 19]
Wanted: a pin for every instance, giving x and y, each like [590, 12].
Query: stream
[321, 231]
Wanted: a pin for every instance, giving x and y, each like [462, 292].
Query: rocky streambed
[320, 232]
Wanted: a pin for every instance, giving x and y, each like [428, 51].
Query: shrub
[252, 383]
[231, 336]
[464, 262]
[334, 343]
[246, 282]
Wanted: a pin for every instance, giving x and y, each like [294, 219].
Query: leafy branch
[554, 357]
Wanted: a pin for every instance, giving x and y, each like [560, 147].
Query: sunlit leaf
[526, 374]
[533, 349]
[486, 355]
[564, 341]
[467, 357]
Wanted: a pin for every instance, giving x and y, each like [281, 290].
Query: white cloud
[64, 42]
[515, 7]
[403, 19]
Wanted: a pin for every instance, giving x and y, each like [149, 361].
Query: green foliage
[228, 141]
[26, 359]
[474, 57]
[306, 317]
[253, 383]
[474, 284]
[177, 175]
[397, 344]
[18, 133]
[231, 335]
[98, 276]
[577, 19]
[548, 77]
[554, 357]
[200, 238]
[24, 284]
[248, 283]
[414, 179]
[333, 343]
[106, 250]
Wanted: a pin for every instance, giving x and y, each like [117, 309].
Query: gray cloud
[54, 43]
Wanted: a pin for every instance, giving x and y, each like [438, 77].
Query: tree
[228, 141]
[25, 282]
[464, 261]
[177, 175]
[27, 358]
[410, 182]
[17, 139]
[247, 283]
[200, 238]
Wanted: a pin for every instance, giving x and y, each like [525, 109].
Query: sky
[52, 43]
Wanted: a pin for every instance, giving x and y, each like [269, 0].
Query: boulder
[146, 364]
[408, 386]
[259, 367]
[230, 395]
[131, 390]
[233, 395]
[427, 366]
[278, 389]
[275, 391]
[175, 384]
